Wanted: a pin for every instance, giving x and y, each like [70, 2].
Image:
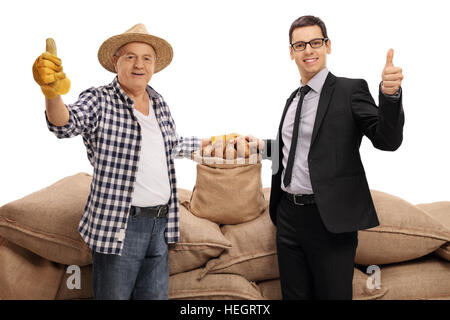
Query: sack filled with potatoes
[231, 148]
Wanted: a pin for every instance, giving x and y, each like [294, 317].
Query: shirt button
[130, 190]
[137, 149]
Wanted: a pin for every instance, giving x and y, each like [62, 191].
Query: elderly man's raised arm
[56, 111]
[64, 121]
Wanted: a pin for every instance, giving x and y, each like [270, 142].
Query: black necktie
[288, 173]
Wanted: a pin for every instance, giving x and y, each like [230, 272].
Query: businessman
[320, 196]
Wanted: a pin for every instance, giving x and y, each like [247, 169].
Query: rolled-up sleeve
[83, 116]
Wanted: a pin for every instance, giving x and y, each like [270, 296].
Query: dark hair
[306, 21]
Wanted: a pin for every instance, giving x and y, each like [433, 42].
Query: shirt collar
[316, 82]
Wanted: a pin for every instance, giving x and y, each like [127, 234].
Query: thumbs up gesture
[47, 72]
[392, 76]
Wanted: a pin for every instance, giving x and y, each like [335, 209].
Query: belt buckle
[295, 201]
[159, 211]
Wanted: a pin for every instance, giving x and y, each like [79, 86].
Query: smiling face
[309, 61]
[135, 65]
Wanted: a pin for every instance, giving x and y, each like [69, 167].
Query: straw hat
[138, 33]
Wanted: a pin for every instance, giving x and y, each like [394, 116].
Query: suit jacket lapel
[279, 136]
[324, 101]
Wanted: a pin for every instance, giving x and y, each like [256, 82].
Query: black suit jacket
[346, 111]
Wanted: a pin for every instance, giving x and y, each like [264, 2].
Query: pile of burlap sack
[227, 248]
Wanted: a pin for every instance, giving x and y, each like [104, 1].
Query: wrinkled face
[309, 61]
[135, 65]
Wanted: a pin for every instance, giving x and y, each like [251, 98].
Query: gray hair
[116, 54]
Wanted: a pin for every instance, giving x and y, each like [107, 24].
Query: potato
[207, 151]
[242, 148]
[230, 152]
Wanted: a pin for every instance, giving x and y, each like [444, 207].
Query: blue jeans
[142, 271]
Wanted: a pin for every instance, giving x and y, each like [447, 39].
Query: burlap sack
[26, 276]
[272, 289]
[46, 222]
[200, 240]
[405, 232]
[441, 212]
[444, 251]
[228, 194]
[67, 292]
[426, 278]
[184, 195]
[253, 251]
[185, 286]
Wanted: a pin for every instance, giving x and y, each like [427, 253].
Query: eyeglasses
[314, 43]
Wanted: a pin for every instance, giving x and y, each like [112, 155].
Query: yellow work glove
[47, 72]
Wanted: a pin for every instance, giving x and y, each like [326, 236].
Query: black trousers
[313, 262]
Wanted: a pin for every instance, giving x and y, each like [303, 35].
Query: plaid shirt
[103, 117]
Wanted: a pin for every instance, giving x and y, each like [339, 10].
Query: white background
[231, 72]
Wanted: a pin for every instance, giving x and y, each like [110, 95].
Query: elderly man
[132, 210]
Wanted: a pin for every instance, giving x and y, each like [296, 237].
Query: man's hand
[246, 145]
[259, 143]
[392, 76]
[47, 72]
[206, 143]
[205, 146]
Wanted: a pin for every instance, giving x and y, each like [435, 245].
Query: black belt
[301, 199]
[156, 212]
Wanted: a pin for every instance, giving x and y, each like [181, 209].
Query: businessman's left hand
[392, 76]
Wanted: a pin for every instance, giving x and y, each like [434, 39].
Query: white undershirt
[152, 185]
